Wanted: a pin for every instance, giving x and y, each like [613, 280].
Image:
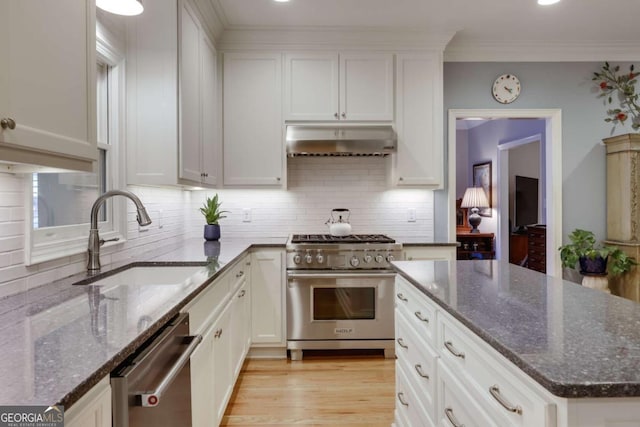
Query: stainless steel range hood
[316, 140]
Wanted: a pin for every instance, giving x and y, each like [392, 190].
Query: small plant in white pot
[212, 214]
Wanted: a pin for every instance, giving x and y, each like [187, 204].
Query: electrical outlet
[246, 215]
[411, 215]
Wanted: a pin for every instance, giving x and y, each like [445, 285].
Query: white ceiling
[596, 22]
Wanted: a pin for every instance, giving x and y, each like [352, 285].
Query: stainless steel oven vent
[331, 141]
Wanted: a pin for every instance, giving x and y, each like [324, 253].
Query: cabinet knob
[278, 178]
[344, 115]
[8, 123]
[401, 179]
[336, 115]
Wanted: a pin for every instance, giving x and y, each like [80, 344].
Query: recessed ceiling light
[547, 2]
[121, 7]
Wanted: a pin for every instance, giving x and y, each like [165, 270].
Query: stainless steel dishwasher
[153, 388]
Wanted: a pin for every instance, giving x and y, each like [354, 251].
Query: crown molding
[213, 18]
[332, 38]
[526, 51]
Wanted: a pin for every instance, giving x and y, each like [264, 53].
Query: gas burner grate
[352, 238]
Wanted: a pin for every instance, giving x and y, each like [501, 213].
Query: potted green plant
[212, 214]
[592, 258]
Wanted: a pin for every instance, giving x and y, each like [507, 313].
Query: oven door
[340, 305]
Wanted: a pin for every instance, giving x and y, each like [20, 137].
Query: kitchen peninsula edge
[92, 361]
[573, 341]
[63, 381]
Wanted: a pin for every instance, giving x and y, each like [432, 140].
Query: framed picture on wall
[482, 178]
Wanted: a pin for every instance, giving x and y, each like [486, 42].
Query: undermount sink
[155, 275]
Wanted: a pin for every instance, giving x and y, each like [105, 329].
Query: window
[61, 202]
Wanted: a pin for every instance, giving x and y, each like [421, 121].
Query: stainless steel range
[340, 292]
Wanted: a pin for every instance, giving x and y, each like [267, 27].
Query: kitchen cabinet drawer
[456, 407]
[507, 399]
[409, 406]
[203, 308]
[418, 360]
[418, 308]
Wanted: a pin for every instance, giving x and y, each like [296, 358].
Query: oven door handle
[329, 275]
[152, 398]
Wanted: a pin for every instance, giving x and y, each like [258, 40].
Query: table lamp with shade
[474, 198]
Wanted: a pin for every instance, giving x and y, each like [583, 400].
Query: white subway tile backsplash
[315, 186]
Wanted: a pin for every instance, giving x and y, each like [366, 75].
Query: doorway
[552, 172]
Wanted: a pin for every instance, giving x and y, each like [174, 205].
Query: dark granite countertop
[60, 339]
[574, 341]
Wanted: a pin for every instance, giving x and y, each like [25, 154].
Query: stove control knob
[308, 258]
[297, 258]
[319, 258]
[367, 259]
[379, 258]
[390, 258]
[354, 262]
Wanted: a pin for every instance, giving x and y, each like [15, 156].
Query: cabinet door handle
[401, 343]
[336, 115]
[240, 274]
[421, 372]
[242, 293]
[402, 297]
[401, 399]
[495, 392]
[453, 350]
[8, 123]
[344, 115]
[421, 317]
[452, 418]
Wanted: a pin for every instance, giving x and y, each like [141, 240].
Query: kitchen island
[574, 351]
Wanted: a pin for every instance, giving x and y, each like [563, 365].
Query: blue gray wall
[566, 86]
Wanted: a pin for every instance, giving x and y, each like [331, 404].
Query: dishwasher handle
[152, 398]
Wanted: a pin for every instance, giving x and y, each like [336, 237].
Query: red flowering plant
[622, 87]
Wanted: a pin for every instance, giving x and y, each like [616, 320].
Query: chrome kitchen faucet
[93, 262]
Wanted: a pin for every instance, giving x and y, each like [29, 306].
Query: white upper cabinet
[419, 121]
[47, 83]
[189, 90]
[198, 121]
[311, 86]
[366, 86]
[330, 86]
[172, 126]
[252, 123]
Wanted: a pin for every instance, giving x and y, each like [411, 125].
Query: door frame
[553, 160]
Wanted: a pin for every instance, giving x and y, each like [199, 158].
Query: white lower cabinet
[460, 379]
[267, 298]
[202, 409]
[222, 376]
[93, 409]
[240, 320]
[221, 314]
[456, 407]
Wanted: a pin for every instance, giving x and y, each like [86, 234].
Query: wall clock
[506, 88]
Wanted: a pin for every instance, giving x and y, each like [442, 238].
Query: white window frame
[51, 243]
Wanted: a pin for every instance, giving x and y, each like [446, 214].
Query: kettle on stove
[339, 226]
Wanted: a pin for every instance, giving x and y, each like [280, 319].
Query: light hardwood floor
[317, 391]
